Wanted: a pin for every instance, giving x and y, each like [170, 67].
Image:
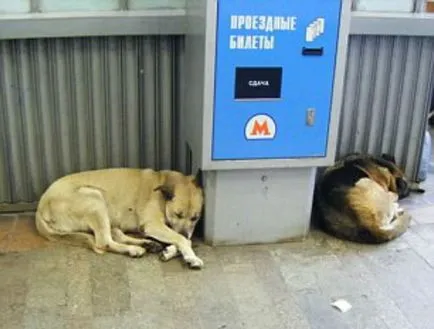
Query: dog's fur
[357, 199]
[98, 207]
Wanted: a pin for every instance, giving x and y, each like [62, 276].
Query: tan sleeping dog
[162, 205]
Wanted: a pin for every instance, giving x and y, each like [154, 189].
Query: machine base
[258, 206]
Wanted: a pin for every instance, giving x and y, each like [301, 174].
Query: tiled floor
[267, 287]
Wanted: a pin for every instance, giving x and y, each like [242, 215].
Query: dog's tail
[42, 220]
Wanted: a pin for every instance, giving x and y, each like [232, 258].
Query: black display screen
[258, 82]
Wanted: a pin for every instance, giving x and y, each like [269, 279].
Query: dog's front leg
[169, 252]
[164, 234]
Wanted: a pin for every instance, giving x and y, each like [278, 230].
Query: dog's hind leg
[100, 225]
[121, 237]
[388, 232]
[149, 245]
[97, 216]
[377, 213]
[42, 222]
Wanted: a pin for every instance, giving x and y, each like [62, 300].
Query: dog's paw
[168, 253]
[98, 250]
[136, 251]
[194, 262]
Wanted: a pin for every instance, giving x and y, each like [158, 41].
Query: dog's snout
[185, 234]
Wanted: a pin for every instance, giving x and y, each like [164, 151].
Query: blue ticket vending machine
[274, 70]
[265, 83]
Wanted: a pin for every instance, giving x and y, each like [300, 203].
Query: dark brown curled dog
[357, 199]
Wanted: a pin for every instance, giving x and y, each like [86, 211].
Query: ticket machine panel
[274, 74]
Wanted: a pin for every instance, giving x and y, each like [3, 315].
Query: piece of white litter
[342, 305]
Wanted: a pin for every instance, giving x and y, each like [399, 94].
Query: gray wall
[82, 103]
[75, 104]
[389, 82]
[73, 6]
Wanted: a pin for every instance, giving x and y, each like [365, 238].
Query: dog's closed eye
[179, 215]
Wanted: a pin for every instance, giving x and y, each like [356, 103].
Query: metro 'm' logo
[260, 129]
[260, 126]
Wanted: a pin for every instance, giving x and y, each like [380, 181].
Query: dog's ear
[389, 157]
[166, 191]
[198, 178]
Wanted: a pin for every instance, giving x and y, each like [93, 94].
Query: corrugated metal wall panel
[386, 99]
[75, 104]
[81, 103]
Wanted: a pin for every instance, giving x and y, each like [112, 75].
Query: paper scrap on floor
[342, 305]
